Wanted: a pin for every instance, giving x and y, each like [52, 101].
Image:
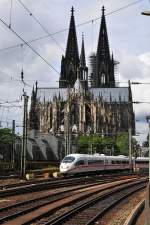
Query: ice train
[81, 163]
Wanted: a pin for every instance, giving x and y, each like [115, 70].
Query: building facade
[84, 103]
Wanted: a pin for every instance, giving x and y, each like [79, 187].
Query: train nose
[64, 166]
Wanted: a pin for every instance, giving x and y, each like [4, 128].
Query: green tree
[83, 144]
[5, 136]
[6, 143]
[95, 143]
[122, 142]
[118, 145]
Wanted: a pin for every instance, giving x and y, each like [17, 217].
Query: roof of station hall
[117, 94]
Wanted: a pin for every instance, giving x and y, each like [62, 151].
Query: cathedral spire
[70, 62]
[83, 67]
[72, 11]
[82, 56]
[72, 45]
[103, 44]
[104, 65]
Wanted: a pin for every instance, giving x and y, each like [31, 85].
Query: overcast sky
[129, 38]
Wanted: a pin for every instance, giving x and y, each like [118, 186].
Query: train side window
[142, 162]
[68, 159]
[145, 162]
[80, 163]
[95, 162]
[100, 161]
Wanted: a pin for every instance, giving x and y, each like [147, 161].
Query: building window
[103, 78]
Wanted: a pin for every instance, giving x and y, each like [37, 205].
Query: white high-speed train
[81, 163]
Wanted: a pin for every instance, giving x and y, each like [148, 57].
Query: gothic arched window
[103, 78]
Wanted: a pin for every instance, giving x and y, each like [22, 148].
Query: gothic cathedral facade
[84, 103]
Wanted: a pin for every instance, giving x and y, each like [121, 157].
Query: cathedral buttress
[70, 62]
[104, 63]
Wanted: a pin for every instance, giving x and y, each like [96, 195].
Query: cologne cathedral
[85, 102]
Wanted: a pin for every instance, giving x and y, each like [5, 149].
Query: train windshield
[68, 159]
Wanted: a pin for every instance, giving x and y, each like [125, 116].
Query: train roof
[142, 158]
[76, 155]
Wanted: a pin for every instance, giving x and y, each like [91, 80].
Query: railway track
[34, 210]
[89, 212]
[38, 185]
[17, 209]
[21, 183]
[137, 212]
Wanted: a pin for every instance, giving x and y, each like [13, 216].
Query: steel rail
[135, 214]
[51, 201]
[39, 186]
[114, 203]
[47, 198]
[64, 217]
[21, 188]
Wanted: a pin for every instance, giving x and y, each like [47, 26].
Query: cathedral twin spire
[104, 76]
[70, 61]
[72, 44]
[103, 45]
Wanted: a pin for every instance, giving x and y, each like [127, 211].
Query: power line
[10, 102]
[10, 106]
[133, 82]
[11, 77]
[110, 13]
[29, 46]
[18, 121]
[137, 102]
[78, 25]
[37, 20]
[137, 83]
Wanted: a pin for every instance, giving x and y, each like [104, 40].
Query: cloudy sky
[129, 38]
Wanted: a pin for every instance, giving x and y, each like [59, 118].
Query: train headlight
[64, 166]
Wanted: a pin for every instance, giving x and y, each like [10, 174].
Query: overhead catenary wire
[25, 42]
[11, 76]
[10, 106]
[13, 79]
[81, 24]
[43, 27]
[78, 25]
[10, 102]
[137, 102]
